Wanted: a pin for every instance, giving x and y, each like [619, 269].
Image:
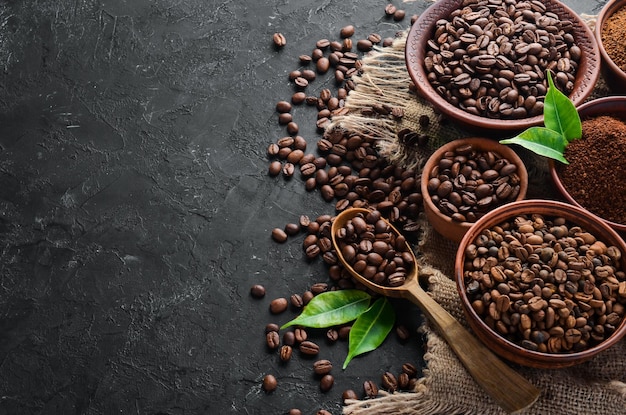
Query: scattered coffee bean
[257, 291]
[347, 31]
[389, 382]
[289, 338]
[279, 40]
[285, 353]
[349, 394]
[309, 348]
[370, 388]
[390, 9]
[326, 383]
[283, 106]
[272, 339]
[322, 367]
[278, 305]
[398, 15]
[294, 411]
[403, 333]
[269, 383]
[271, 327]
[300, 334]
[279, 235]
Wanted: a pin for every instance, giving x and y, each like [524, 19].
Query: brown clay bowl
[613, 74]
[614, 106]
[422, 31]
[443, 223]
[499, 344]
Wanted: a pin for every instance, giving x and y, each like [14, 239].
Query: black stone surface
[136, 209]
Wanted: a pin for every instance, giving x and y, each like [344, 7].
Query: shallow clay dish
[613, 74]
[443, 223]
[503, 347]
[422, 31]
[613, 106]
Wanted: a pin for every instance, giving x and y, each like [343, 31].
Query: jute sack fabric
[595, 387]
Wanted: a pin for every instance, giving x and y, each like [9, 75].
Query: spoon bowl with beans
[377, 255]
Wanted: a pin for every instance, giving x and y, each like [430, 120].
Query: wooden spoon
[507, 388]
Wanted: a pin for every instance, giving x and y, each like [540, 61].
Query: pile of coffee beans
[546, 284]
[373, 249]
[346, 169]
[468, 182]
[490, 58]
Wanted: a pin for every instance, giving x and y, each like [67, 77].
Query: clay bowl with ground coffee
[542, 283]
[483, 66]
[465, 178]
[610, 31]
[595, 178]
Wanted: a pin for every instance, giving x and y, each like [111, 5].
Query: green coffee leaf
[332, 308]
[560, 114]
[370, 329]
[543, 141]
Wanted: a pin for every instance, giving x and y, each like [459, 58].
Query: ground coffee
[595, 175]
[613, 34]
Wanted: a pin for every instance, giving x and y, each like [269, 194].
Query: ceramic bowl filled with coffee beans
[484, 64]
[610, 30]
[543, 283]
[594, 179]
[466, 178]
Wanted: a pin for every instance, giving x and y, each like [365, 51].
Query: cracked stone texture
[135, 207]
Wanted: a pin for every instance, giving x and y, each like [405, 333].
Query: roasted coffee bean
[309, 348]
[326, 383]
[399, 15]
[298, 98]
[279, 235]
[403, 333]
[347, 31]
[349, 394]
[285, 353]
[288, 169]
[322, 44]
[390, 9]
[332, 335]
[269, 383]
[278, 305]
[292, 128]
[296, 301]
[409, 369]
[300, 333]
[322, 367]
[292, 229]
[274, 170]
[370, 388]
[294, 411]
[283, 107]
[279, 40]
[289, 338]
[272, 339]
[389, 382]
[344, 332]
[322, 65]
[257, 291]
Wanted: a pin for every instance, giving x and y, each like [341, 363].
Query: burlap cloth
[595, 387]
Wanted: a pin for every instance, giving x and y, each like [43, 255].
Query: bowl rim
[509, 154]
[512, 209]
[415, 51]
[607, 11]
[553, 167]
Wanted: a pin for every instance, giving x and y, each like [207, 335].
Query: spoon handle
[507, 387]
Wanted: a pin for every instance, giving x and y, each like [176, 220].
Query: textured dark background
[135, 207]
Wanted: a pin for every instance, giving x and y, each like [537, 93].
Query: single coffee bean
[296, 301]
[279, 40]
[285, 353]
[403, 333]
[409, 369]
[389, 382]
[278, 305]
[294, 411]
[272, 339]
[300, 333]
[347, 31]
[283, 107]
[322, 44]
[349, 394]
[275, 168]
[399, 15]
[279, 235]
[298, 98]
[257, 291]
[289, 338]
[322, 367]
[370, 388]
[326, 383]
[288, 169]
[309, 348]
[322, 65]
[390, 9]
[269, 383]
[332, 335]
